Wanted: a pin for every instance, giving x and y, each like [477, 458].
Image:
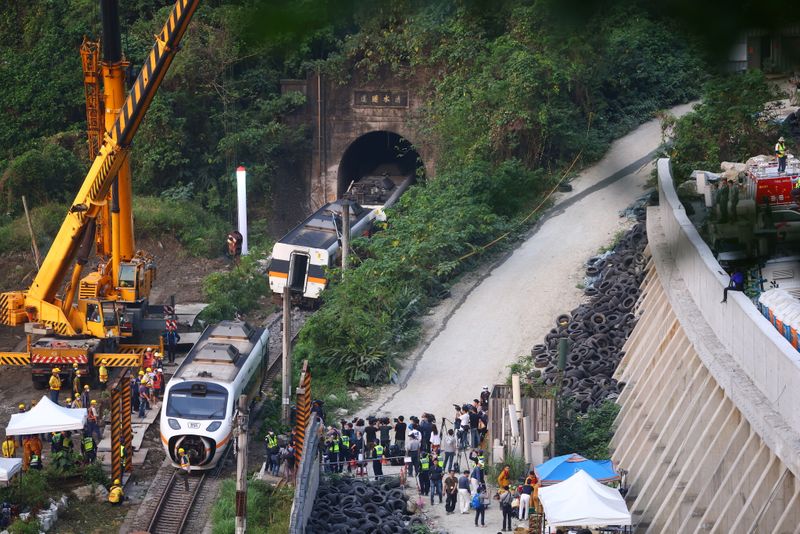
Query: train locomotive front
[201, 398]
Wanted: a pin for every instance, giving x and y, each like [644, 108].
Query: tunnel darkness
[377, 153]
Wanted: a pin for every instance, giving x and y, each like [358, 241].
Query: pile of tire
[597, 329]
[350, 505]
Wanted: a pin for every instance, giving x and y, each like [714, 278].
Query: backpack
[505, 500]
[476, 501]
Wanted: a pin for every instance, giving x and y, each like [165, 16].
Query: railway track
[176, 508]
[175, 504]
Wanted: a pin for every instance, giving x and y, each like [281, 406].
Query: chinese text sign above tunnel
[380, 99]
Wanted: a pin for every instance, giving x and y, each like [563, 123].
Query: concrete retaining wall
[768, 360]
[707, 428]
[306, 480]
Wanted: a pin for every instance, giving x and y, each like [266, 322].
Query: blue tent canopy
[562, 467]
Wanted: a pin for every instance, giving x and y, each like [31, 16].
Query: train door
[298, 272]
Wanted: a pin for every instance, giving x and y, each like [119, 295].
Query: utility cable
[527, 217]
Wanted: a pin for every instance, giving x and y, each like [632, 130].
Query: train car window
[298, 272]
[197, 401]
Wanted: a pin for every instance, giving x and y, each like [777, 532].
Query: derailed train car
[301, 257]
[200, 400]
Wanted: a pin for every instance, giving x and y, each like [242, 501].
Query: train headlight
[213, 426]
[174, 424]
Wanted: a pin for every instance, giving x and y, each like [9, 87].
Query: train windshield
[197, 400]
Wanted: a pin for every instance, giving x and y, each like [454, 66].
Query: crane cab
[135, 280]
[102, 317]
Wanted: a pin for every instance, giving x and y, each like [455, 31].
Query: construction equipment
[112, 299]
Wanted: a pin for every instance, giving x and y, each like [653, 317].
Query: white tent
[582, 501]
[9, 467]
[46, 416]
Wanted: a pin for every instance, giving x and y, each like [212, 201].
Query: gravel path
[486, 325]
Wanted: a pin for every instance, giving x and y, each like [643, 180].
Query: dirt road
[486, 326]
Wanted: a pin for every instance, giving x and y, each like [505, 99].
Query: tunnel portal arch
[378, 152]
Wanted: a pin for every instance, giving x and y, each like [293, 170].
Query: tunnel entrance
[375, 154]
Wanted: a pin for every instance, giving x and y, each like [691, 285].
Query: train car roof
[318, 230]
[220, 353]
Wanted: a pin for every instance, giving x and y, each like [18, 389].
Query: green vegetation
[219, 106]
[268, 508]
[730, 124]
[587, 434]
[237, 290]
[518, 469]
[198, 231]
[518, 98]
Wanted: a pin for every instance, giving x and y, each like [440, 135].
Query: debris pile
[597, 330]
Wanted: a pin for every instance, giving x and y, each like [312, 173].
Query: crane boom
[40, 303]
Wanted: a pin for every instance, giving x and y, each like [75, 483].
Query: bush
[586, 434]
[202, 233]
[235, 291]
[31, 526]
[730, 124]
[268, 508]
[45, 219]
[32, 491]
[518, 469]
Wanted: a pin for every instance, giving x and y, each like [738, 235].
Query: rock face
[598, 329]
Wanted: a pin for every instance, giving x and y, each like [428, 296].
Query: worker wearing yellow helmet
[186, 467]
[103, 375]
[115, 494]
[55, 385]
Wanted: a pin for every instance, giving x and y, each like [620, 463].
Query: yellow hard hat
[56, 370]
[75, 365]
[104, 362]
[116, 482]
[93, 402]
[181, 451]
[141, 373]
[21, 406]
[149, 370]
[86, 387]
[69, 399]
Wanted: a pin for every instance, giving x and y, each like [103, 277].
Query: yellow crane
[102, 295]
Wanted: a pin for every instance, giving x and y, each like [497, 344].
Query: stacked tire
[349, 505]
[598, 329]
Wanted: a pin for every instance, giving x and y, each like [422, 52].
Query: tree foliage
[730, 124]
[586, 434]
[516, 94]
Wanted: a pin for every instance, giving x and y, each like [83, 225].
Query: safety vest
[346, 441]
[122, 455]
[379, 450]
[9, 448]
[92, 414]
[36, 462]
[441, 463]
[66, 442]
[185, 462]
[335, 446]
[780, 149]
[88, 444]
[55, 383]
[56, 438]
[115, 494]
[481, 460]
[424, 464]
[272, 442]
[103, 374]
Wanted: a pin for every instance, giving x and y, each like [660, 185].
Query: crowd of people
[445, 457]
